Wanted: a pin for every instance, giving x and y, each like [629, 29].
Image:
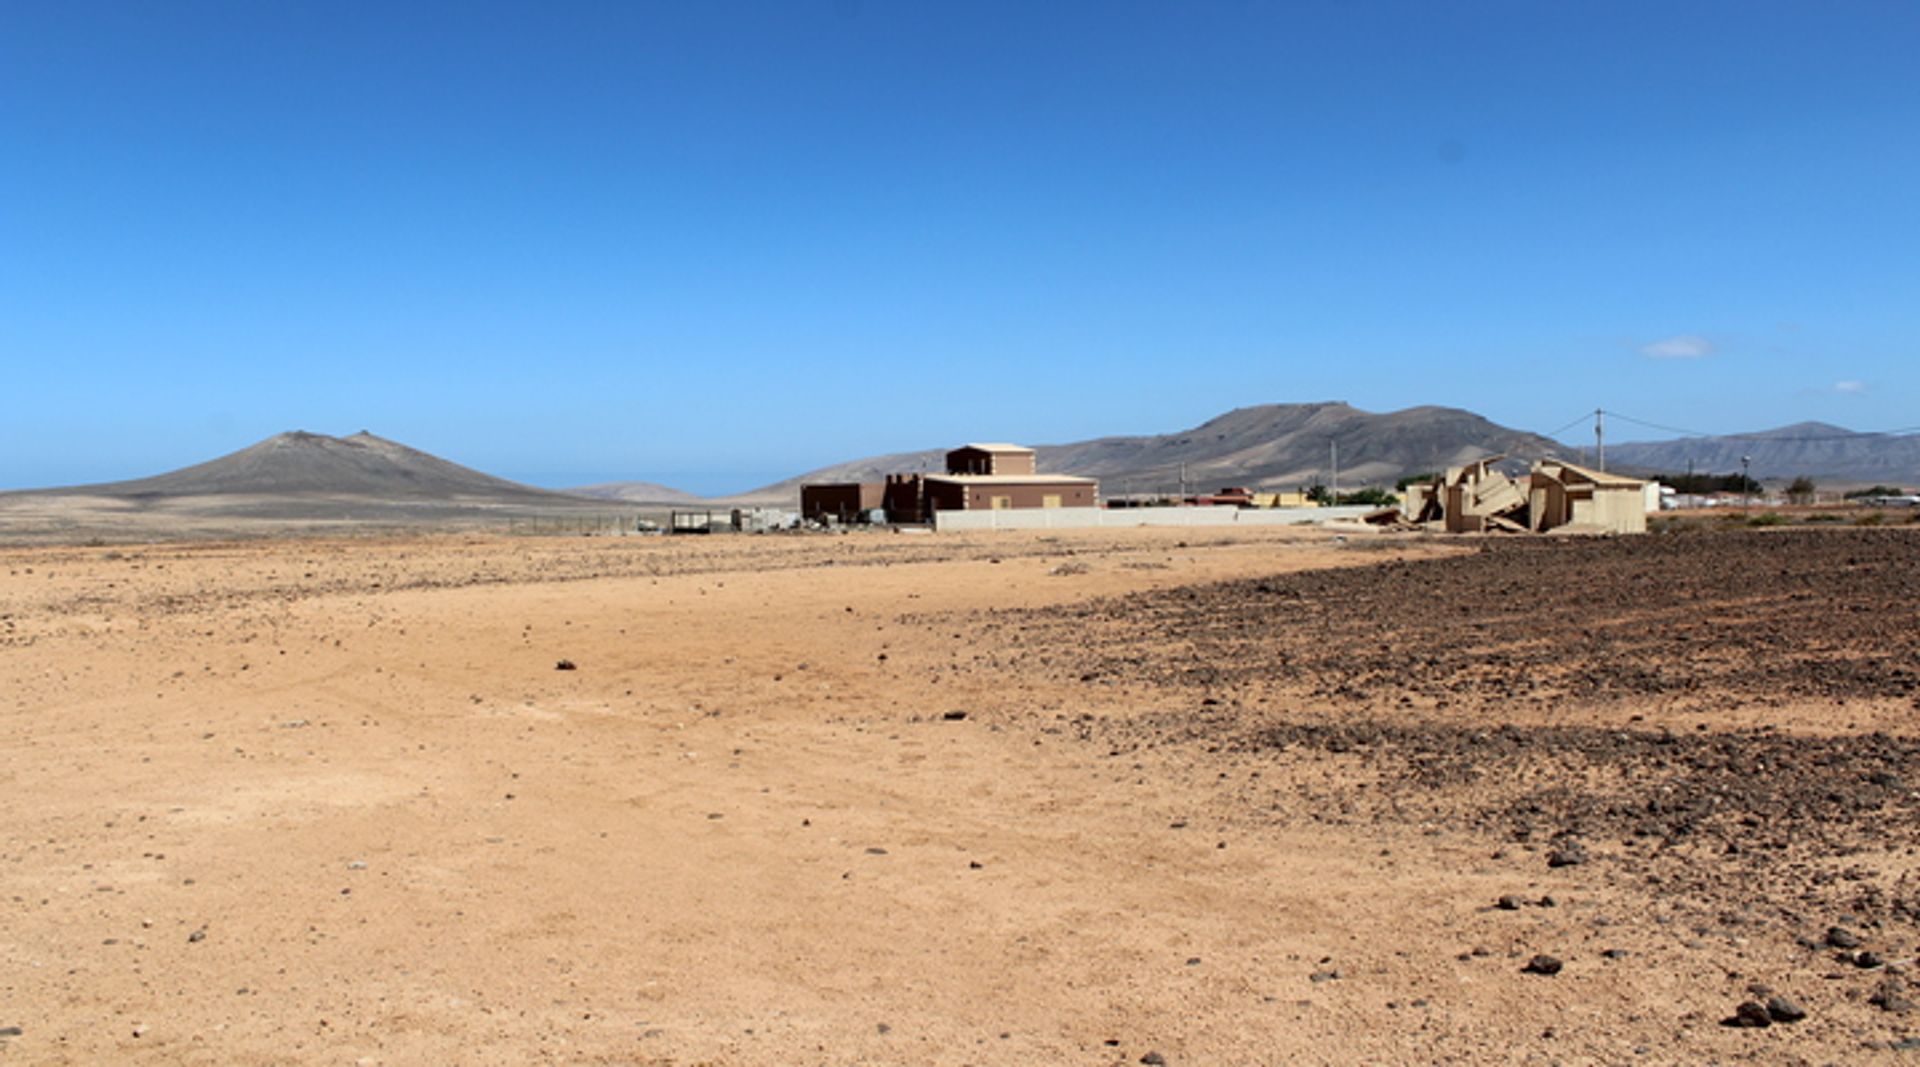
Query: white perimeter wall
[1080, 518]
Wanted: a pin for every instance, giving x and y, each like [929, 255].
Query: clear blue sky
[715, 244]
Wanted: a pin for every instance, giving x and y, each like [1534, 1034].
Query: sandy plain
[1021, 798]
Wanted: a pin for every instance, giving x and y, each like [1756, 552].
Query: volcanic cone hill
[294, 483]
[301, 463]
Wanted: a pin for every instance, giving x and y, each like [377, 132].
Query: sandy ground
[76, 516]
[796, 802]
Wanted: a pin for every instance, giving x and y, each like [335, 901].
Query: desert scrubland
[1101, 797]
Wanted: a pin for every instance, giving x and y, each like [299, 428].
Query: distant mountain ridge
[1268, 446]
[1271, 446]
[1817, 450]
[636, 493]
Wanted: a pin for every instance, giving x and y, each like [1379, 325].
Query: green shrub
[1770, 518]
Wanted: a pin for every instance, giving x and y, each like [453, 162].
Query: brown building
[979, 477]
[841, 501]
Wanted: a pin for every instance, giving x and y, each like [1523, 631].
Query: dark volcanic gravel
[1415, 677]
[1703, 616]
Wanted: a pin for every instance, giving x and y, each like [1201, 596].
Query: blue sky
[716, 244]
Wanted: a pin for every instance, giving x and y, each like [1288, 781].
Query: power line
[1585, 416]
[1578, 419]
[1758, 436]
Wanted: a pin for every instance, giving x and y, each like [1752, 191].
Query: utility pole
[1334, 447]
[1600, 438]
[1183, 481]
[1746, 484]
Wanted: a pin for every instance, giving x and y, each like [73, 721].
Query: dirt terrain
[1105, 797]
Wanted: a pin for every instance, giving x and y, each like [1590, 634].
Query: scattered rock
[1841, 937]
[1154, 1059]
[953, 716]
[1509, 903]
[1323, 976]
[1890, 996]
[1568, 855]
[197, 935]
[565, 665]
[1785, 1009]
[1750, 1014]
[1543, 964]
[1867, 959]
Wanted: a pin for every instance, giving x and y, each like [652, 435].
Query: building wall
[1458, 521]
[1620, 510]
[944, 495]
[1089, 518]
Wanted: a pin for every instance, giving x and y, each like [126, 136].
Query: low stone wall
[1087, 518]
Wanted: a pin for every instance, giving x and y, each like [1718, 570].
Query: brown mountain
[295, 483]
[1271, 446]
[310, 464]
[312, 471]
[1818, 450]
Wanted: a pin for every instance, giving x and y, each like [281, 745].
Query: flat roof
[994, 447]
[1014, 479]
[1601, 478]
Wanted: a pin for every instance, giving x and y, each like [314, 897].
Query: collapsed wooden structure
[1553, 495]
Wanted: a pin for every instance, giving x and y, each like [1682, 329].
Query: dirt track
[332, 801]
